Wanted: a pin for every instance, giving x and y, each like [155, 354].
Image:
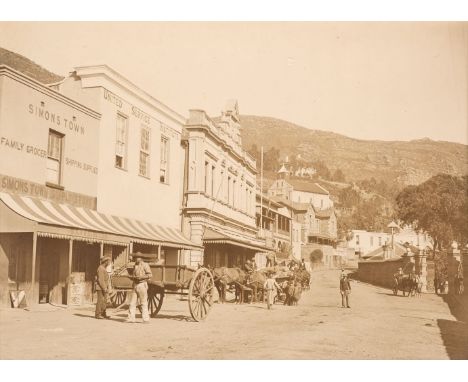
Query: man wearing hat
[141, 273]
[102, 288]
[345, 290]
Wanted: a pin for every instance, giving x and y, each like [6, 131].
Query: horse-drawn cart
[197, 284]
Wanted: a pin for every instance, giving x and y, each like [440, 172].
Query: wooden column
[159, 252]
[33, 275]
[70, 256]
[70, 263]
[130, 247]
[101, 252]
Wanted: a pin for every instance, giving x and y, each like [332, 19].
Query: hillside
[409, 162]
[28, 67]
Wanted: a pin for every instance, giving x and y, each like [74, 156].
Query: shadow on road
[177, 317]
[455, 333]
[391, 294]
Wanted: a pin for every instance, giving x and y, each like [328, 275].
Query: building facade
[274, 224]
[48, 156]
[219, 198]
[91, 166]
[300, 191]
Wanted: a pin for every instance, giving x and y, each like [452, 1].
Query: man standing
[102, 288]
[345, 290]
[270, 286]
[141, 273]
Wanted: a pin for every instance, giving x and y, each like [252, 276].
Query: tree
[338, 176]
[316, 256]
[438, 207]
[255, 154]
[271, 159]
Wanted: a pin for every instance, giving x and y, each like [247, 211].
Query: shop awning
[64, 215]
[212, 236]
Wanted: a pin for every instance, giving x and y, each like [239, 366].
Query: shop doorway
[53, 270]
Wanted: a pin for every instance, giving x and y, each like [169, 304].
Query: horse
[303, 276]
[256, 280]
[405, 283]
[225, 277]
[293, 293]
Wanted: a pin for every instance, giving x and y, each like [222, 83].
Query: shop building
[219, 199]
[90, 166]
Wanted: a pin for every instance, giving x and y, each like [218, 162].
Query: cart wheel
[200, 294]
[118, 298]
[155, 299]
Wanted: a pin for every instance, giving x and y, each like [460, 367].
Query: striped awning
[65, 215]
[212, 236]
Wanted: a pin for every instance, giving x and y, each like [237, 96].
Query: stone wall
[379, 272]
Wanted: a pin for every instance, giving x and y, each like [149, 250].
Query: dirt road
[378, 326]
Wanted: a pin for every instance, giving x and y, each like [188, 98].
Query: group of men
[140, 276]
[142, 273]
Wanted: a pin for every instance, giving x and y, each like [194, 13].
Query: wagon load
[196, 284]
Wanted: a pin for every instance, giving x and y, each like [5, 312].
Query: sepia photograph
[243, 190]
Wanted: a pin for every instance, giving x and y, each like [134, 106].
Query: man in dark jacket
[102, 288]
[345, 290]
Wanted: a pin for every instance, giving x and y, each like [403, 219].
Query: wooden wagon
[197, 284]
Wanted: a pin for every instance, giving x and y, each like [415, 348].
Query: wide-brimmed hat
[104, 259]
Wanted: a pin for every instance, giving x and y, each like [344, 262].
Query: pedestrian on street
[270, 286]
[141, 273]
[345, 290]
[102, 288]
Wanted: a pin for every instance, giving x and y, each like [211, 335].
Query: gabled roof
[301, 185]
[288, 203]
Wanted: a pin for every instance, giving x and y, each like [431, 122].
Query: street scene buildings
[251, 221]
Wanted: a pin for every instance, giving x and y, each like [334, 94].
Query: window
[164, 163]
[213, 173]
[380, 241]
[144, 151]
[372, 241]
[54, 157]
[207, 177]
[247, 204]
[234, 194]
[357, 239]
[121, 142]
[229, 191]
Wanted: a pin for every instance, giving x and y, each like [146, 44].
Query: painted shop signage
[26, 187]
[56, 119]
[112, 98]
[42, 153]
[138, 113]
[141, 115]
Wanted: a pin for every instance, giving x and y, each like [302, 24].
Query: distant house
[305, 172]
[300, 191]
[366, 242]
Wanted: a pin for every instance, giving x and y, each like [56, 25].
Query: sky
[381, 80]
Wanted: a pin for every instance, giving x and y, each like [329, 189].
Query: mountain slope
[28, 67]
[406, 162]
